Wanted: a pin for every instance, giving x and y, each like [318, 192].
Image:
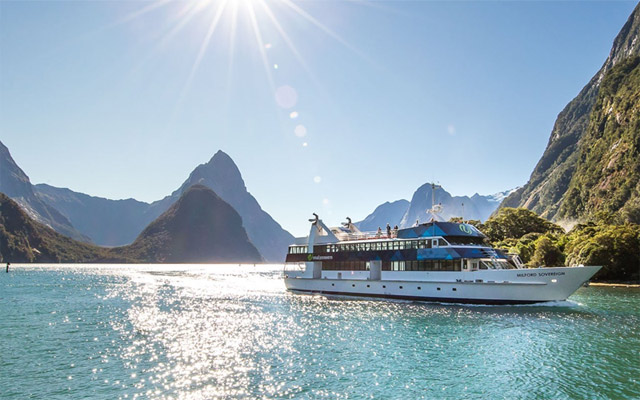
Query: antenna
[435, 209]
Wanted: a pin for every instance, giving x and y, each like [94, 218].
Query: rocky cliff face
[546, 192]
[222, 176]
[607, 172]
[16, 184]
[200, 228]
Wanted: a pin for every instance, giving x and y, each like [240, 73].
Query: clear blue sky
[124, 99]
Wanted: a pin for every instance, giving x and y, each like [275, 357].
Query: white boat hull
[513, 286]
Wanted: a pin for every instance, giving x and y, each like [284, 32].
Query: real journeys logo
[465, 228]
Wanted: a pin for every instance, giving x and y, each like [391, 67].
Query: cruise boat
[434, 261]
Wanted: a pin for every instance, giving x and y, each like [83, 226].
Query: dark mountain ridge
[16, 184]
[118, 222]
[199, 228]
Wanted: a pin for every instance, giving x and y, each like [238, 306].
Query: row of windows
[425, 265]
[345, 266]
[381, 246]
[297, 249]
[387, 245]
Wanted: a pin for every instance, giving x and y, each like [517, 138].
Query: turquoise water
[208, 332]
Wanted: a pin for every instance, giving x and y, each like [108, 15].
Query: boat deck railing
[345, 236]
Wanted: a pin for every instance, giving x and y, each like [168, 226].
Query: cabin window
[397, 265]
[367, 246]
[442, 242]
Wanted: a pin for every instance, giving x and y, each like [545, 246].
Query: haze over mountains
[16, 184]
[592, 160]
[199, 227]
[404, 213]
[118, 222]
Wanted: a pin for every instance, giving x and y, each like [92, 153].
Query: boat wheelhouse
[434, 261]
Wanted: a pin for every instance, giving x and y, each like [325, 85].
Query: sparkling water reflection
[207, 332]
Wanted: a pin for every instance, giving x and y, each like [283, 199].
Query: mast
[435, 209]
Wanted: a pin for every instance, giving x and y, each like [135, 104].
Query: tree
[546, 254]
[515, 223]
[615, 247]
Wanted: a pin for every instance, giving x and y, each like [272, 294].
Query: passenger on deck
[388, 230]
[417, 222]
[395, 231]
[379, 233]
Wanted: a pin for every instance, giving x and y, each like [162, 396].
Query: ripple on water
[206, 332]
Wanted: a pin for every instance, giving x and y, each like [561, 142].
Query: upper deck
[426, 230]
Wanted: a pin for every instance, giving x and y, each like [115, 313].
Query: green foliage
[602, 241]
[546, 254]
[514, 223]
[615, 247]
[607, 173]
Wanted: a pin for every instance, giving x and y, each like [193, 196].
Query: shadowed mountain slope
[199, 227]
[16, 184]
[222, 176]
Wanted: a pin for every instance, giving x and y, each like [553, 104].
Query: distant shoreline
[617, 285]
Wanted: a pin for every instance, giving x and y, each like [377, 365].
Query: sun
[217, 15]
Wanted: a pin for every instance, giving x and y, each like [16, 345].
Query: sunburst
[232, 12]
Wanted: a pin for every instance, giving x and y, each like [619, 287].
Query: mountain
[199, 227]
[24, 240]
[383, 214]
[222, 176]
[591, 160]
[16, 184]
[118, 222]
[405, 214]
[107, 222]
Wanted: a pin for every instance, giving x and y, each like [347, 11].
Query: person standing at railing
[388, 231]
[395, 231]
[379, 233]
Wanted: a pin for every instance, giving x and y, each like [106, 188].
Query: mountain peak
[198, 227]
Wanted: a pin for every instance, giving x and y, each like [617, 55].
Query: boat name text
[529, 274]
[311, 257]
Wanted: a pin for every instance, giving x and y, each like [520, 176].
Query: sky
[329, 106]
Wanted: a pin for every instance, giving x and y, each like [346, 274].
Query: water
[208, 332]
